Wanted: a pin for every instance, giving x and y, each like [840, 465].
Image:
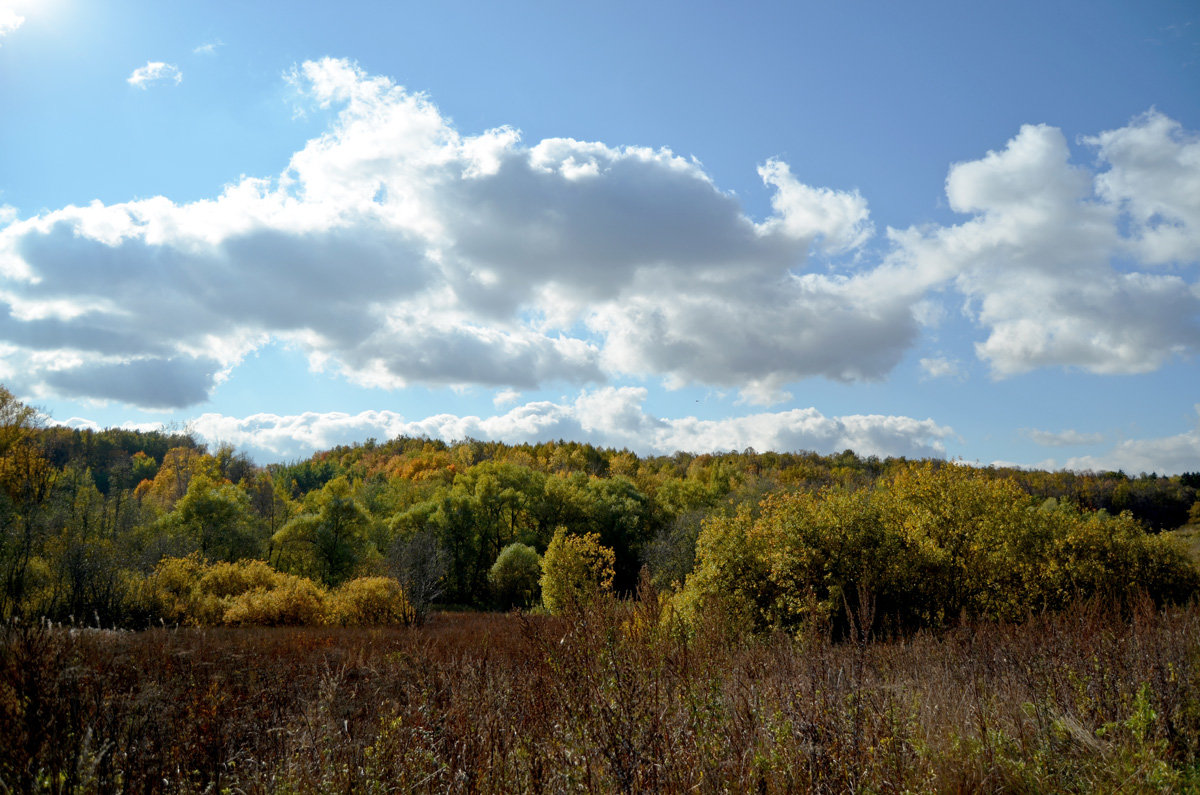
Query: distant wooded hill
[89, 515]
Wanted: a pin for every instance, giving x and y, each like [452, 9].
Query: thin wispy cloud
[941, 367]
[1176, 453]
[208, 48]
[1068, 438]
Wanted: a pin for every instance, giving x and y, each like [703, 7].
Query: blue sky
[914, 229]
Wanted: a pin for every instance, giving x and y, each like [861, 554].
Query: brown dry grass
[605, 701]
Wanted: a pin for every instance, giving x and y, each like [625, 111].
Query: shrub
[233, 579]
[294, 601]
[514, 576]
[172, 593]
[190, 592]
[369, 601]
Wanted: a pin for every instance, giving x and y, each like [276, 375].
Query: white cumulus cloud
[1154, 175]
[1044, 265]
[608, 416]
[505, 397]
[10, 20]
[154, 72]
[840, 220]
[395, 249]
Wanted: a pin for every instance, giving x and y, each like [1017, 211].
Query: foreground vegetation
[740, 622]
[607, 699]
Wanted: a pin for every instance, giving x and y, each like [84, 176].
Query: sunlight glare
[28, 8]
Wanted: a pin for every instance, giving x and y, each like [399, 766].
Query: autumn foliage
[575, 571]
[188, 592]
[128, 528]
[929, 546]
[175, 620]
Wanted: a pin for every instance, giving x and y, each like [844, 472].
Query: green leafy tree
[174, 475]
[216, 520]
[619, 514]
[448, 519]
[329, 543]
[16, 420]
[501, 495]
[671, 554]
[269, 500]
[26, 479]
[85, 557]
[514, 576]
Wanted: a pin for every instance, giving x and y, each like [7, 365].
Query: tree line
[124, 527]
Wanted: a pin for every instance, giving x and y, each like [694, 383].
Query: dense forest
[128, 528]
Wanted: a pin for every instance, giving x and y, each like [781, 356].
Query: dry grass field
[608, 700]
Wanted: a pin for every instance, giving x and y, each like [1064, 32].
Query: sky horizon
[969, 233]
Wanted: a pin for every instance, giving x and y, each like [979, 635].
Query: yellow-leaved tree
[575, 570]
[25, 480]
[930, 545]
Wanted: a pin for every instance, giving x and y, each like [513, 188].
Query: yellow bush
[172, 593]
[190, 592]
[369, 601]
[233, 579]
[293, 601]
[927, 546]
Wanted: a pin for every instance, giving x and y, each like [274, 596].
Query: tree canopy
[778, 538]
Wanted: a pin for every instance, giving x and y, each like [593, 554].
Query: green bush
[514, 576]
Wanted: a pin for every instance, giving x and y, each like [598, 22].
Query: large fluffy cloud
[607, 416]
[1155, 177]
[1043, 262]
[398, 250]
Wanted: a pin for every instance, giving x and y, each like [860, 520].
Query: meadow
[417, 616]
[607, 698]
